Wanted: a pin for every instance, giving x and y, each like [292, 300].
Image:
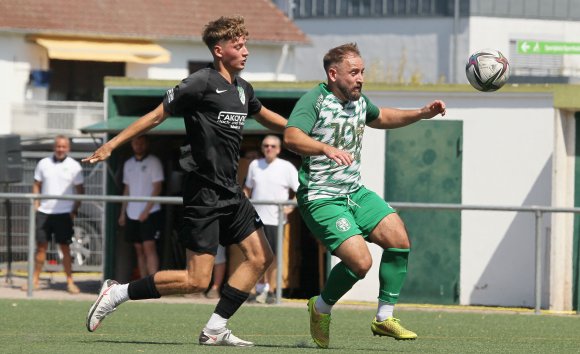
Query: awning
[171, 126]
[141, 52]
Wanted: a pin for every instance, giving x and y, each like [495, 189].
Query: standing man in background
[56, 175]
[142, 177]
[270, 178]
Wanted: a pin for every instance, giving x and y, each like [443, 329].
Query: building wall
[508, 141]
[394, 49]
[18, 57]
[500, 31]
[421, 49]
[264, 62]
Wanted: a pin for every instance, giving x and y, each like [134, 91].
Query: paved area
[53, 287]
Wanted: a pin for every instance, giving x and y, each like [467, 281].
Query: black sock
[143, 289]
[230, 301]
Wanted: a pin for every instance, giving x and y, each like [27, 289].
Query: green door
[423, 165]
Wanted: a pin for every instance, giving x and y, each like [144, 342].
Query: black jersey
[214, 111]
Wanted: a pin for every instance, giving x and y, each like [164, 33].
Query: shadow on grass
[312, 346]
[132, 342]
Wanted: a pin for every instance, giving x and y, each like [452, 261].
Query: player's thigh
[330, 221]
[241, 221]
[199, 267]
[369, 209]
[201, 229]
[354, 252]
[390, 233]
[256, 248]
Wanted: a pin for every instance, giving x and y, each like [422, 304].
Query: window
[376, 8]
[72, 80]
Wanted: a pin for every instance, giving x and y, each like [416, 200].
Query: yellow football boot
[319, 325]
[392, 328]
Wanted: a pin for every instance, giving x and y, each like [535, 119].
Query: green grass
[42, 326]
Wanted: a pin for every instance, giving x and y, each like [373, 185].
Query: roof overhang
[90, 49]
[170, 126]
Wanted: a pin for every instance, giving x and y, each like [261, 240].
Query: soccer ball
[487, 70]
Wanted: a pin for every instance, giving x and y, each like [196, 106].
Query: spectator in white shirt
[56, 175]
[270, 178]
[142, 177]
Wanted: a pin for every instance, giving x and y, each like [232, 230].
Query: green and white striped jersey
[325, 118]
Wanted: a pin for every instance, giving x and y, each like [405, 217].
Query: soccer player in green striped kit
[326, 128]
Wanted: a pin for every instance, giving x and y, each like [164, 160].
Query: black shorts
[59, 226]
[211, 218]
[271, 232]
[148, 230]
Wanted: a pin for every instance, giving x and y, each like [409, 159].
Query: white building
[428, 41]
[61, 50]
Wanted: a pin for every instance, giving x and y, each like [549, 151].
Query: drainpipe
[455, 43]
[284, 55]
[281, 61]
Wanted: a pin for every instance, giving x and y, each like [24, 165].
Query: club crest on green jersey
[342, 224]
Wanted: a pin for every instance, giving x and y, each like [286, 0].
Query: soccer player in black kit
[214, 102]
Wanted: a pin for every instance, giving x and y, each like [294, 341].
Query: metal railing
[538, 211]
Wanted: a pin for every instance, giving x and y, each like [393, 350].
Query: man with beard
[326, 128]
[214, 102]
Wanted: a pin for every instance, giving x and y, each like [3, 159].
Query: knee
[404, 243]
[268, 258]
[195, 285]
[263, 260]
[361, 267]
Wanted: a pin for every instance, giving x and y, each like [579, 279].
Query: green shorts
[334, 220]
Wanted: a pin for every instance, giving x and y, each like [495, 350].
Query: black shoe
[251, 299]
[271, 298]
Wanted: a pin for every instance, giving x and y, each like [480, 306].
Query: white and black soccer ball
[487, 70]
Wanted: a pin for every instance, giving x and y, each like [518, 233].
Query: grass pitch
[44, 326]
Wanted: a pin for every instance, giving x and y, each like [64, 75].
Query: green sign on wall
[542, 47]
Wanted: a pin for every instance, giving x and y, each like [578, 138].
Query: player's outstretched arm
[271, 119]
[297, 141]
[390, 118]
[140, 126]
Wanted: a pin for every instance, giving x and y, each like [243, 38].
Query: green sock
[340, 281]
[392, 273]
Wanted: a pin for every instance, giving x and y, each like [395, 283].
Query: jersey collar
[55, 160]
[141, 159]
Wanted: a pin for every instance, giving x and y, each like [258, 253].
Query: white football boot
[225, 338]
[102, 307]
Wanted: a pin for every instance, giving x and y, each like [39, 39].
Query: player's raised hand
[101, 154]
[434, 108]
[339, 156]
